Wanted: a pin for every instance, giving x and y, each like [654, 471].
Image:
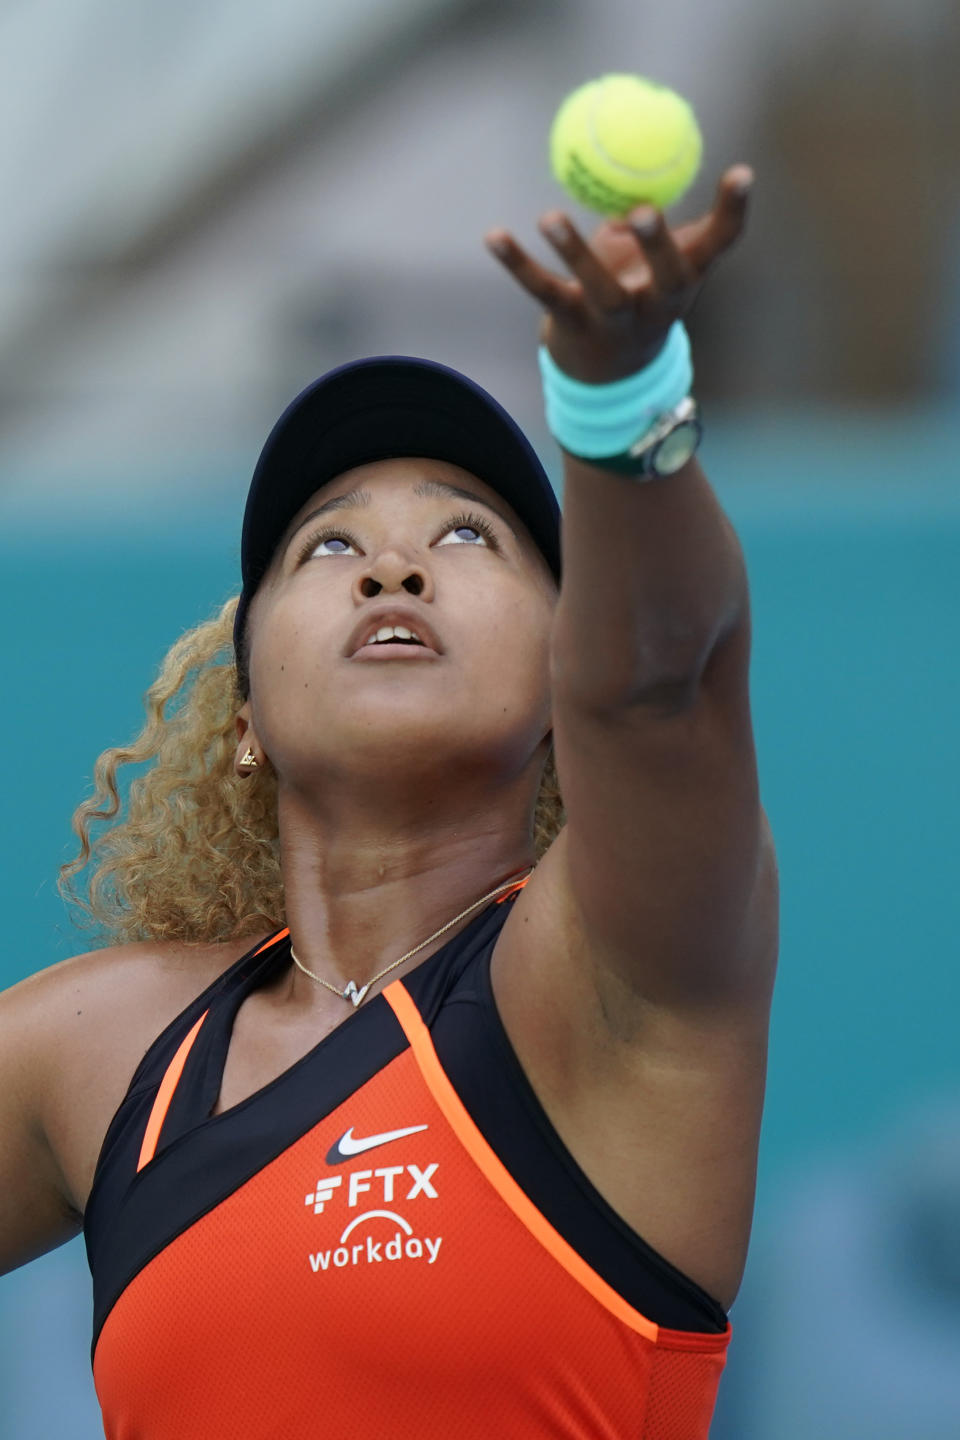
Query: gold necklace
[350, 991]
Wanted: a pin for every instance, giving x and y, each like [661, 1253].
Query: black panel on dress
[479, 1060]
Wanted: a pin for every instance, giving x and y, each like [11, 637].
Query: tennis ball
[623, 141]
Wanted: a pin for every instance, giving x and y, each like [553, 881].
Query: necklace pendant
[352, 993]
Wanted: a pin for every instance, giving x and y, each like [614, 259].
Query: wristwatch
[663, 449]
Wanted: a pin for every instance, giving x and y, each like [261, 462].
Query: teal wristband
[600, 421]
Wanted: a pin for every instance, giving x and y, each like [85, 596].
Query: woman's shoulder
[134, 989]
[82, 1027]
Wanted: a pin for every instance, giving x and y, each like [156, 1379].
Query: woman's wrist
[599, 421]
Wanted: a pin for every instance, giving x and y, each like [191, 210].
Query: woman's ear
[249, 756]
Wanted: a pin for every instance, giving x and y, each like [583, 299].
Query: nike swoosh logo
[350, 1144]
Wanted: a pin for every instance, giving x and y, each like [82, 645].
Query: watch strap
[668, 446]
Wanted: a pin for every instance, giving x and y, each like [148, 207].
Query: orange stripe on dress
[496, 1172]
[280, 935]
[165, 1094]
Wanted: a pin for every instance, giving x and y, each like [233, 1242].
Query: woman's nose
[393, 571]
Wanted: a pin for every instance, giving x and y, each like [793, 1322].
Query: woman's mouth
[393, 637]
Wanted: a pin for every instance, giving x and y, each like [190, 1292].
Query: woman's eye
[332, 545]
[462, 535]
[466, 529]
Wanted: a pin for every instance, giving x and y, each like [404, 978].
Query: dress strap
[174, 1071]
[165, 1094]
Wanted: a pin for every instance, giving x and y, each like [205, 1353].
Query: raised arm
[647, 987]
[665, 838]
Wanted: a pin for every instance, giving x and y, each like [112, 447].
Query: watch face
[675, 449]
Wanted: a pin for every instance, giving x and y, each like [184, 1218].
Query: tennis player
[401, 1102]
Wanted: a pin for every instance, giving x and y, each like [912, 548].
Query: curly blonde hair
[196, 856]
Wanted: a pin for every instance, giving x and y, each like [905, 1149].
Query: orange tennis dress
[388, 1240]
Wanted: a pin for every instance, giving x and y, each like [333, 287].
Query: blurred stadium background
[207, 206]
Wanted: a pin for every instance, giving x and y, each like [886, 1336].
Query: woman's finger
[553, 291]
[722, 228]
[600, 287]
[671, 269]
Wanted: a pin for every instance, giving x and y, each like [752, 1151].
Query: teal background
[852, 534]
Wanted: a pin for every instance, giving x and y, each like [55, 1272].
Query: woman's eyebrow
[353, 499]
[440, 490]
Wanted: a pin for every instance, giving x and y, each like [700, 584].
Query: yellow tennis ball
[623, 141]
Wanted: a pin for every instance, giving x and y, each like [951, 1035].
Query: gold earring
[250, 760]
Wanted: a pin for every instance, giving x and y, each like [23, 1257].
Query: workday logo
[401, 1245]
[387, 1184]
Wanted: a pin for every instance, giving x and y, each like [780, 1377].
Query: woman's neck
[359, 894]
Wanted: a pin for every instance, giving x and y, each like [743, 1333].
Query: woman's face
[392, 544]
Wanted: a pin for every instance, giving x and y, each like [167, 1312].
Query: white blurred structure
[207, 206]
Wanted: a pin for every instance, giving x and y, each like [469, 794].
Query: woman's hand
[629, 285]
